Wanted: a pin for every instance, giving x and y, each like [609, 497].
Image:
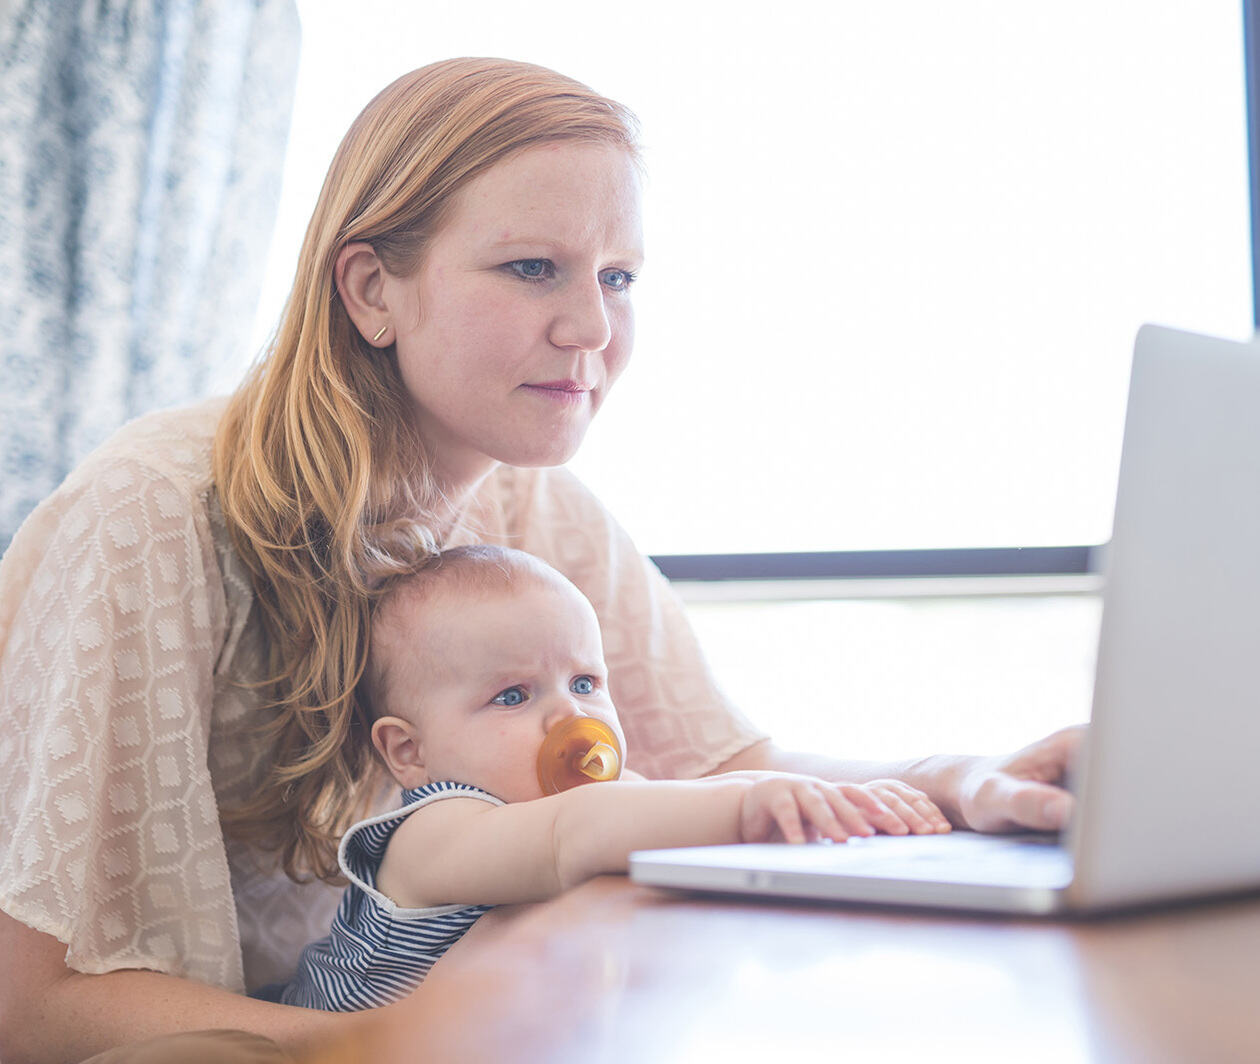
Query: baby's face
[500, 670]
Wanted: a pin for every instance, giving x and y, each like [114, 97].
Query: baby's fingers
[915, 809]
[856, 817]
[873, 810]
[787, 815]
[831, 820]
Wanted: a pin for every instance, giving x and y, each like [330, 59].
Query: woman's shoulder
[147, 484]
[172, 445]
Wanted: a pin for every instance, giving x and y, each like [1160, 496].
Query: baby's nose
[564, 708]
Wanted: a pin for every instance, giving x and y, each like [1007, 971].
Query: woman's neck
[452, 500]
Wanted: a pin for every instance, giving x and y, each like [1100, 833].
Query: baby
[473, 662]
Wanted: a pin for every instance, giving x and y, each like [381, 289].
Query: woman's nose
[581, 320]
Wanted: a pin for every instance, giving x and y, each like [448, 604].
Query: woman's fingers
[1026, 789]
[1039, 806]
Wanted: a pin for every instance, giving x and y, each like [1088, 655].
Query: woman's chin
[551, 452]
[541, 461]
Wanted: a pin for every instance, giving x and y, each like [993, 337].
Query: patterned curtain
[141, 147]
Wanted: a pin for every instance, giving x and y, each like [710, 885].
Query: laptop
[1168, 800]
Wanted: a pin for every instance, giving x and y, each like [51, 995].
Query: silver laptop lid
[1172, 756]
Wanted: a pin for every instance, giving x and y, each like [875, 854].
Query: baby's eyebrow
[504, 677]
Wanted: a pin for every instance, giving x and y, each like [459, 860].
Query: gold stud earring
[380, 334]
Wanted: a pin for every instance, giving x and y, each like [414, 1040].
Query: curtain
[141, 149]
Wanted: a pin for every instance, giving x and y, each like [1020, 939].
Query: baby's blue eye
[533, 269]
[582, 685]
[512, 696]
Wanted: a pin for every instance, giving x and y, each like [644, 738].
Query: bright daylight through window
[897, 253]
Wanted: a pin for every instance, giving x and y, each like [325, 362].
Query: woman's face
[518, 320]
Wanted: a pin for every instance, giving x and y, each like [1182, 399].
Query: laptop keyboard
[963, 857]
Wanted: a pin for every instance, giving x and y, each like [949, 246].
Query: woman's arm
[1024, 790]
[50, 1013]
[117, 619]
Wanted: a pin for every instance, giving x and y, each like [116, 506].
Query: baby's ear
[398, 743]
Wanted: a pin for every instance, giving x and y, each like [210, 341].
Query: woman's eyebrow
[530, 240]
[551, 244]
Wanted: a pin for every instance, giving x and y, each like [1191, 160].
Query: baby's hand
[805, 809]
[918, 814]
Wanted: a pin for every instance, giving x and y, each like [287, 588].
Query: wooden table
[612, 972]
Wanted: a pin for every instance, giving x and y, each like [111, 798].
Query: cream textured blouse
[126, 632]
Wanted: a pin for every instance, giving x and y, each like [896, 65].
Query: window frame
[837, 567]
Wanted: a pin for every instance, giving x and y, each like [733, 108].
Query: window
[896, 253]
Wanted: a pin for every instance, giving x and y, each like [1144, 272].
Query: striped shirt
[378, 952]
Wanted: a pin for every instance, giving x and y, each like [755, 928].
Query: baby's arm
[464, 851]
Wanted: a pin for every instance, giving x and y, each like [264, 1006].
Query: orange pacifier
[578, 750]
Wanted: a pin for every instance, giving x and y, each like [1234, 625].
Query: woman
[183, 621]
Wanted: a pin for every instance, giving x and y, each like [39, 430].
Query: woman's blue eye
[618, 280]
[512, 696]
[582, 685]
[533, 269]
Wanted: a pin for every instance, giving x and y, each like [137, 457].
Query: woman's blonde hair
[319, 471]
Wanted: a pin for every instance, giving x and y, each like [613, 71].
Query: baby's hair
[478, 569]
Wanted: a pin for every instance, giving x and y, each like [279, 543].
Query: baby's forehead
[446, 633]
[429, 598]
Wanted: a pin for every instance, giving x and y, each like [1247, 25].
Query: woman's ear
[360, 279]
[398, 743]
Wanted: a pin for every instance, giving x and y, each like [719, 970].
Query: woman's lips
[562, 386]
[565, 391]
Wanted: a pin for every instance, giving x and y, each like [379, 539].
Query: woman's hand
[1010, 792]
[1024, 790]
[804, 809]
